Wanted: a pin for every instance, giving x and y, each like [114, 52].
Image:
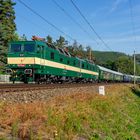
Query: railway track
[19, 93]
[32, 87]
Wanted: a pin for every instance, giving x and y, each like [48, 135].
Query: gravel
[44, 95]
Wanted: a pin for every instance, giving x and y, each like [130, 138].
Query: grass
[89, 116]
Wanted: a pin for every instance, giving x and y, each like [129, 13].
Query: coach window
[87, 66]
[52, 55]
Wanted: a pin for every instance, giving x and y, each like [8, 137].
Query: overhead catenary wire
[79, 25]
[33, 23]
[44, 19]
[92, 28]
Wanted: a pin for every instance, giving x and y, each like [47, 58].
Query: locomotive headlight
[8, 71]
[28, 71]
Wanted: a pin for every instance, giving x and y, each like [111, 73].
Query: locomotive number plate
[21, 65]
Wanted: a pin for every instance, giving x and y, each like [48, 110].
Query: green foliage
[3, 51]
[15, 129]
[102, 57]
[61, 42]
[125, 64]
[138, 58]
[117, 61]
[72, 123]
[111, 65]
[49, 39]
[7, 26]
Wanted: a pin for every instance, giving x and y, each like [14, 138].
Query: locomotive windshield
[22, 48]
[29, 48]
[15, 47]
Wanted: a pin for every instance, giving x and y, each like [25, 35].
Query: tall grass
[89, 116]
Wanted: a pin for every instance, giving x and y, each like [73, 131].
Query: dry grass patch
[88, 116]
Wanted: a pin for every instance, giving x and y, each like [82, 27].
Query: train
[37, 61]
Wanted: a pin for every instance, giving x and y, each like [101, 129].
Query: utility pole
[134, 68]
[89, 53]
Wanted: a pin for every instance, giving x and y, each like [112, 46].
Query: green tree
[125, 65]
[7, 26]
[49, 39]
[77, 50]
[80, 51]
[61, 42]
[110, 65]
[73, 48]
[137, 69]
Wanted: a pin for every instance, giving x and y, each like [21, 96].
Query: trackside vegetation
[77, 116]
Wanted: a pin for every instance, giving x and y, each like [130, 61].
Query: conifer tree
[7, 25]
[49, 39]
[60, 43]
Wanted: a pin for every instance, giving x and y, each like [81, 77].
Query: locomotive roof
[27, 41]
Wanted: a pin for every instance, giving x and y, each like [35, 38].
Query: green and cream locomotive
[38, 61]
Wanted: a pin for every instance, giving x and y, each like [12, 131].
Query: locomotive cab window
[15, 47]
[52, 56]
[29, 48]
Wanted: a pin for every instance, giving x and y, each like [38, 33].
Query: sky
[111, 19]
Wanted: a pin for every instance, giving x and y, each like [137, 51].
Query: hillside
[138, 58]
[104, 56]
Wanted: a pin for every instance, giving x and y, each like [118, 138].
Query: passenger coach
[109, 75]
